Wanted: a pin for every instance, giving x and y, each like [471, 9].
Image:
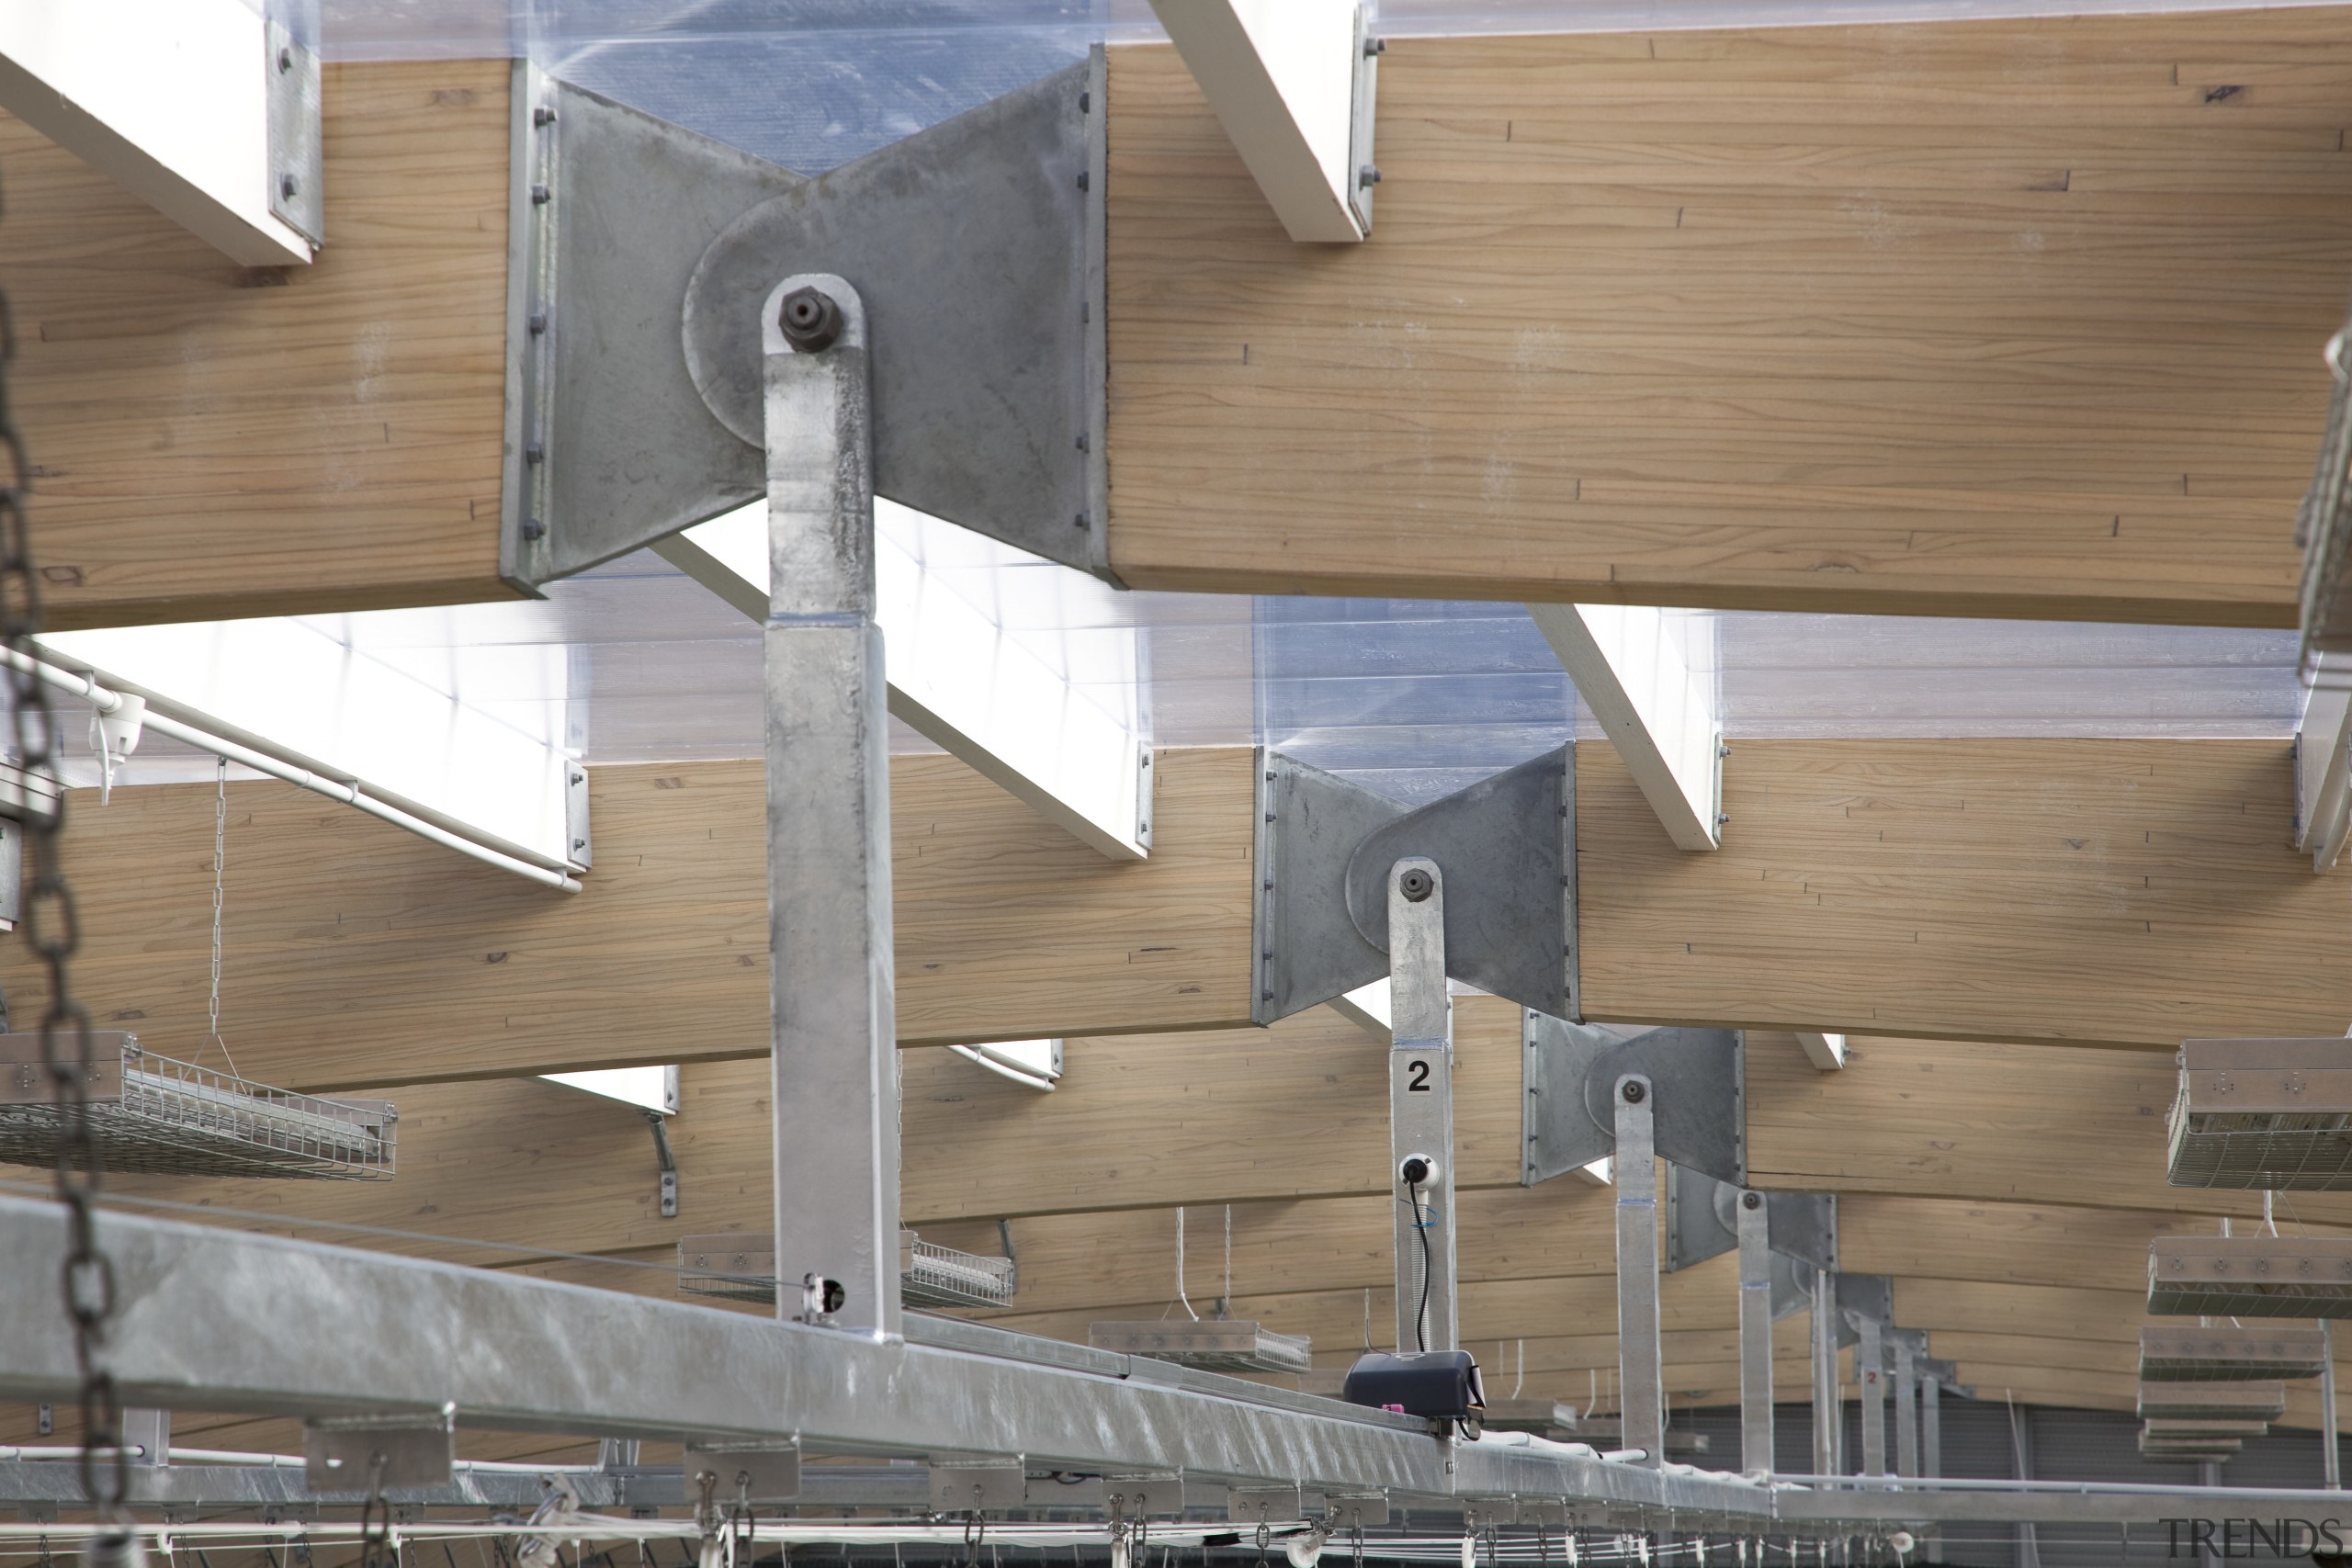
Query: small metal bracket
[640, 249]
[1324, 850]
[1158, 1495]
[1364, 174]
[959, 1487]
[668, 1192]
[1866, 1296]
[1355, 1510]
[1264, 1505]
[1569, 1072]
[292, 104]
[388, 1453]
[746, 1472]
[580, 848]
[1700, 1224]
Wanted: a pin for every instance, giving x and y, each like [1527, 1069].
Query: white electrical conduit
[107, 702]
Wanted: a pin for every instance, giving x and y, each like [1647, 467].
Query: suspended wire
[220, 863]
[1180, 1296]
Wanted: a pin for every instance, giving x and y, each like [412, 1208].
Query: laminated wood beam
[2007, 1123]
[2010, 317]
[2108, 892]
[213, 441]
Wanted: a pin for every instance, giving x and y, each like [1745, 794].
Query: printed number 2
[1417, 1077]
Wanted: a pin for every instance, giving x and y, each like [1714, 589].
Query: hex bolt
[811, 321]
[539, 322]
[543, 116]
[1368, 176]
[287, 186]
[1416, 884]
[540, 195]
[1372, 46]
[1634, 1093]
[534, 529]
[1751, 1200]
[533, 452]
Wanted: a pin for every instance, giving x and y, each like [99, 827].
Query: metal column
[1641, 1374]
[1931, 1451]
[830, 982]
[1420, 1106]
[1909, 1347]
[2330, 1459]
[1825, 1413]
[1755, 1335]
[1870, 1371]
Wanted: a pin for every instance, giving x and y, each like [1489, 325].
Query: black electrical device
[1437, 1385]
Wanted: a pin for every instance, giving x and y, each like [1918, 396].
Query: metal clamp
[1569, 1072]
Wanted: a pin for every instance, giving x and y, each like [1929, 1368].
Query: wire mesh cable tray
[1216, 1345]
[160, 1116]
[2216, 1401]
[2191, 1354]
[740, 1267]
[2257, 1276]
[2263, 1116]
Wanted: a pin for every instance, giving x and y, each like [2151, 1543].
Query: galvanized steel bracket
[1569, 1074]
[1506, 845]
[1701, 1223]
[641, 252]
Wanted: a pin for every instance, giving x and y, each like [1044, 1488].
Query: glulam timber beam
[1626, 331]
[1623, 333]
[2079, 892]
[212, 441]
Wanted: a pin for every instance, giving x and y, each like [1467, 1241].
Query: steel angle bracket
[1506, 847]
[1568, 1075]
[1701, 1223]
[640, 254]
[1869, 1296]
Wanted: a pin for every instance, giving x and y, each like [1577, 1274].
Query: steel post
[1909, 1347]
[831, 984]
[1420, 1106]
[2330, 1459]
[1869, 1371]
[1755, 1335]
[1825, 1413]
[1931, 1451]
[1641, 1375]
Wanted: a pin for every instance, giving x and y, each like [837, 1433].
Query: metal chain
[55, 935]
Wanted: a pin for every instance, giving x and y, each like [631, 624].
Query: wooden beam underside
[2008, 317]
[2002, 317]
[213, 441]
[2108, 892]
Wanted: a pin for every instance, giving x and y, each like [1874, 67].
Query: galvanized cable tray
[156, 1115]
[2263, 1116]
[740, 1267]
[1220, 1345]
[2191, 1354]
[2250, 1276]
[2214, 1400]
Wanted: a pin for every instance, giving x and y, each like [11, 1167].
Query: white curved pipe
[106, 702]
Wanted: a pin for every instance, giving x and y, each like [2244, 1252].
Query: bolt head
[1416, 884]
[287, 186]
[810, 320]
[1751, 1200]
[1633, 1093]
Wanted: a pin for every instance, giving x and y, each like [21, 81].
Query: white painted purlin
[1066, 735]
[312, 690]
[1825, 1051]
[1649, 677]
[169, 98]
[1281, 75]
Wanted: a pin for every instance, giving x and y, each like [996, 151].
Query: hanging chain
[53, 933]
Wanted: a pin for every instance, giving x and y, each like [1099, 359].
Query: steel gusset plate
[1506, 845]
[1569, 1073]
[1702, 1221]
[643, 253]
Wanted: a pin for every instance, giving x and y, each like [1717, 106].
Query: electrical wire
[1180, 1296]
[1420, 1224]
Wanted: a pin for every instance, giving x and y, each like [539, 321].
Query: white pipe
[106, 700]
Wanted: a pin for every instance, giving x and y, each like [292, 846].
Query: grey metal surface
[1826, 1408]
[2250, 1276]
[2193, 1353]
[1702, 1223]
[2323, 527]
[2263, 1114]
[1755, 1332]
[1309, 825]
[224, 1321]
[1363, 119]
[1870, 1371]
[1867, 1296]
[2330, 1452]
[1641, 1375]
[358, 1455]
[613, 446]
[1507, 843]
[831, 963]
[1569, 1071]
[1805, 1227]
[1910, 1346]
[1421, 1107]
[969, 242]
[292, 106]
